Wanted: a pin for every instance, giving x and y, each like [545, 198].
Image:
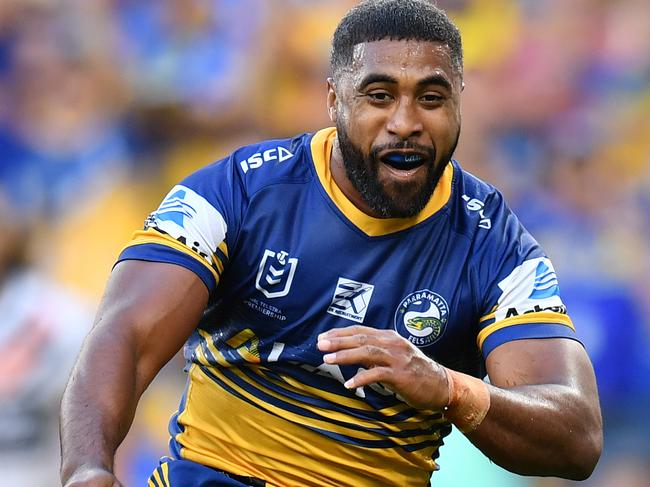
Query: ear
[331, 100]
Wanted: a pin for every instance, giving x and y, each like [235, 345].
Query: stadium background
[106, 104]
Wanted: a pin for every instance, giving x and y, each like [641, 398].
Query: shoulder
[481, 213]
[253, 167]
[472, 185]
[274, 158]
[477, 206]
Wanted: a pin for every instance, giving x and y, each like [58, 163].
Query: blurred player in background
[340, 296]
[40, 324]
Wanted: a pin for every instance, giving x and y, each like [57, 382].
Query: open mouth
[403, 161]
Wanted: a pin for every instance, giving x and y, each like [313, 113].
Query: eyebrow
[433, 79]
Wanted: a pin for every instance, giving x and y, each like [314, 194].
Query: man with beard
[340, 296]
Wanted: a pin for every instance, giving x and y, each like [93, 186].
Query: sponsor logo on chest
[351, 299]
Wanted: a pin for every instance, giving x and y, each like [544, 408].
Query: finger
[334, 343]
[357, 336]
[366, 377]
[367, 355]
[348, 330]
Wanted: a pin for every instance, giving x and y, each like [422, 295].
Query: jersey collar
[321, 150]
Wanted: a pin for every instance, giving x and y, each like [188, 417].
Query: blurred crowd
[104, 105]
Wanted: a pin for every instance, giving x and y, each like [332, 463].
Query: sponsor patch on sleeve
[191, 220]
[531, 287]
[529, 307]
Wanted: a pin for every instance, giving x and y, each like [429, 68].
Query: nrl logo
[275, 274]
[422, 317]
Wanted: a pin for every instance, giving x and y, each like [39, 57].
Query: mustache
[403, 145]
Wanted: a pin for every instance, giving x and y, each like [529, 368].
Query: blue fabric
[184, 473]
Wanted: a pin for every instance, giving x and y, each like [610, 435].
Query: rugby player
[341, 297]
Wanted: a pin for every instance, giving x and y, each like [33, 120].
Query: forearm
[99, 402]
[541, 416]
[549, 430]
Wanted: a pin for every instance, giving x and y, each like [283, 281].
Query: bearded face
[399, 199]
[397, 112]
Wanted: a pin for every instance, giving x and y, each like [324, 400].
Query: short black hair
[375, 20]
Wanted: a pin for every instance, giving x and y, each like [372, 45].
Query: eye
[431, 99]
[379, 97]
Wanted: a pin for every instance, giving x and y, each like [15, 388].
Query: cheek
[444, 126]
[371, 123]
[363, 127]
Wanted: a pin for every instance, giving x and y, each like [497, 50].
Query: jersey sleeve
[196, 224]
[518, 284]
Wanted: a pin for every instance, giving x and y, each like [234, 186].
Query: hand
[389, 359]
[93, 477]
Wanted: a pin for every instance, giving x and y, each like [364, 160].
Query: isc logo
[477, 205]
[279, 154]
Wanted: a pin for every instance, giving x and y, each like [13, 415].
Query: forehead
[393, 56]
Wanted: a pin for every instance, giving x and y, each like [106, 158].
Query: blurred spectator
[41, 328]
[193, 57]
[61, 134]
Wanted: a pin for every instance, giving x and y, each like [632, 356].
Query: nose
[404, 121]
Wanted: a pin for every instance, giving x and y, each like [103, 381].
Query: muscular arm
[544, 417]
[147, 313]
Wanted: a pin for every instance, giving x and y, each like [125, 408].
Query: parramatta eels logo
[422, 317]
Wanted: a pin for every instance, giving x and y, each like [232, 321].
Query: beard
[408, 198]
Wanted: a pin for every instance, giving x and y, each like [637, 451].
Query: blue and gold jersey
[286, 256]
